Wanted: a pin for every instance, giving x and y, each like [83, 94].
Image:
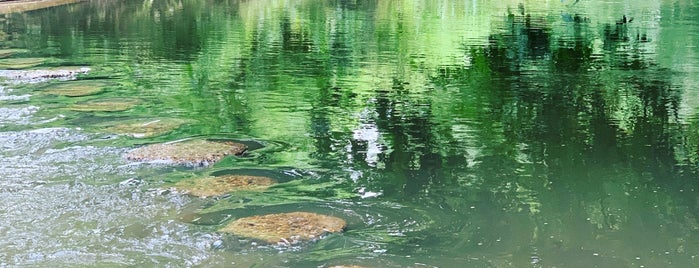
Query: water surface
[446, 133]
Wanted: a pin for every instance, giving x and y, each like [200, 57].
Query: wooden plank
[27, 5]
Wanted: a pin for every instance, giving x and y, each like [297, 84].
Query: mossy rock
[77, 88]
[20, 63]
[289, 228]
[144, 127]
[220, 185]
[187, 152]
[7, 52]
[105, 105]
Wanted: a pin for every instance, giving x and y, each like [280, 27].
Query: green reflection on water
[543, 134]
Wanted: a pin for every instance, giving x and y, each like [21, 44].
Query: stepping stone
[4, 53]
[143, 127]
[187, 152]
[220, 185]
[20, 63]
[77, 88]
[288, 228]
[105, 105]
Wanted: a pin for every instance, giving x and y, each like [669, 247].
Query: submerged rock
[289, 228]
[187, 152]
[77, 88]
[4, 53]
[104, 105]
[219, 185]
[144, 127]
[20, 63]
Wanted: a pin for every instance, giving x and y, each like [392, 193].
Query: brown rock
[105, 105]
[145, 127]
[77, 88]
[20, 63]
[219, 185]
[187, 152]
[4, 53]
[289, 228]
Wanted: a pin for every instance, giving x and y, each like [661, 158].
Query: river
[445, 133]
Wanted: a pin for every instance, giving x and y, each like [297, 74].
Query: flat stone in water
[144, 127]
[220, 185]
[20, 63]
[187, 152]
[104, 105]
[77, 88]
[4, 53]
[287, 228]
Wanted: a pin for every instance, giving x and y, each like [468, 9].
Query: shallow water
[446, 133]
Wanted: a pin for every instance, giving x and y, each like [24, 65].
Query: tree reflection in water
[550, 140]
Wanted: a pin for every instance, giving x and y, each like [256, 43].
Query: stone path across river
[284, 228]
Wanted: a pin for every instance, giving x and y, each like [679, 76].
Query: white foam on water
[17, 115]
[43, 75]
[65, 203]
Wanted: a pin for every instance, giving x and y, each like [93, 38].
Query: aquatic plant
[288, 228]
[219, 185]
[187, 152]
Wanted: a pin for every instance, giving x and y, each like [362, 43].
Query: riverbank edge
[7, 7]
